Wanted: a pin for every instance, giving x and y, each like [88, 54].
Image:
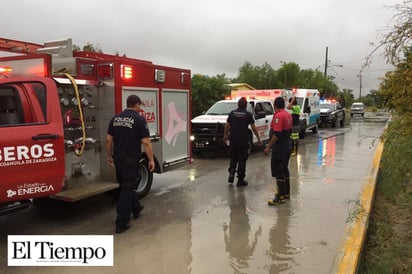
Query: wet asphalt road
[195, 222]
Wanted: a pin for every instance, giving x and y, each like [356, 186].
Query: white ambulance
[308, 100]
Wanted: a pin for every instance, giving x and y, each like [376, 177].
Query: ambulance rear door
[31, 139]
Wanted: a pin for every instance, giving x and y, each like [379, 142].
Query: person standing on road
[126, 133]
[281, 146]
[295, 108]
[237, 133]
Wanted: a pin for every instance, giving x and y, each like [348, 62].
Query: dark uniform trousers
[280, 168]
[128, 177]
[238, 157]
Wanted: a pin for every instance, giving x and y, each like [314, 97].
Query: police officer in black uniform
[126, 133]
[237, 132]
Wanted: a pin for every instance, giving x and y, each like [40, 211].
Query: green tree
[377, 98]
[92, 48]
[207, 90]
[396, 88]
[311, 78]
[259, 77]
[88, 47]
[346, 97]
[329, 88]
[368, 101]
[289, 75]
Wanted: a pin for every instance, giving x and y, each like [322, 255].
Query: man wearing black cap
[237, 131]
[126, 133]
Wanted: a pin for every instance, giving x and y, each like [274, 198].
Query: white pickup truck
[207, 129]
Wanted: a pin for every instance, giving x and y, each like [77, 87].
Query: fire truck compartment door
[31, 139]
[175, 125]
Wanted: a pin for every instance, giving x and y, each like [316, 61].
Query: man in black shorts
[126, 133]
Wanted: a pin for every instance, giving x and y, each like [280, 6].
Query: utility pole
[360, 85]
[326, 63]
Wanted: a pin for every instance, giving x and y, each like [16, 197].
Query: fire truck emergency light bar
[24, 67]
[5, 69]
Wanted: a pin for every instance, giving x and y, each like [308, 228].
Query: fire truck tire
[46, 204]
[146, 180]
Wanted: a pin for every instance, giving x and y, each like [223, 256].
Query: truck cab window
[22, 104]
[268, 108]
[10, 107]
[40, 94]
[258, 108]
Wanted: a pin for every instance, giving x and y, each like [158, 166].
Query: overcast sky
[216, 36]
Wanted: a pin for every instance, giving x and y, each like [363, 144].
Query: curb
[355, 234]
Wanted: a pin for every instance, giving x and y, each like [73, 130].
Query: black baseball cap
[132, 100]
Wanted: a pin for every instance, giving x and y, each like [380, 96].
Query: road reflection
[280, 252]
[239, 240]
[326, 152]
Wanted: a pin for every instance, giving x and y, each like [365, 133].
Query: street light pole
[326, 63]
[360, 85]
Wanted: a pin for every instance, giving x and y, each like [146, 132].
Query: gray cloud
[216, 36]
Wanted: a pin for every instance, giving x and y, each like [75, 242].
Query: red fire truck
[55, 106]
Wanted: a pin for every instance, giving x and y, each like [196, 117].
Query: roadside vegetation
[388, 247]
[206, 90]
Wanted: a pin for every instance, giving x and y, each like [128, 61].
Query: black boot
[231, 175]
[287, 189]
[294, 149]
[242, 182]
[281, 187]
[278, 199]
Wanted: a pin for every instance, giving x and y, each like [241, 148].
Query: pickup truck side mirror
[260, 114]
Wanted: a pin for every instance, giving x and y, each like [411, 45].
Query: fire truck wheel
[146, 181]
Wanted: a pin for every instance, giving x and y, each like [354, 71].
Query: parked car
[332, 112]
[357, 108]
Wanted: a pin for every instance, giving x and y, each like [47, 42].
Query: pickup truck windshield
[328, 106]
[222, 108]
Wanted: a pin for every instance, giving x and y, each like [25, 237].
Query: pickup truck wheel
[146, 180]
[334, 123]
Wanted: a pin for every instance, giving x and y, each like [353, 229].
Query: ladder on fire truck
[61, 48]
[18, 46]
